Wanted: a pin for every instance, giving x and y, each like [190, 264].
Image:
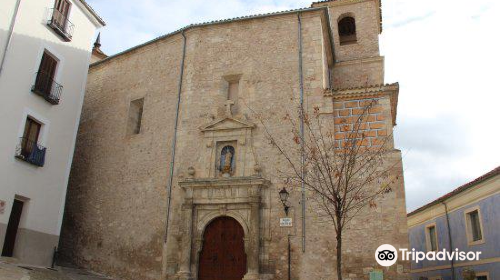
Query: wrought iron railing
[46, 87]
[30, 151]
[60, 23]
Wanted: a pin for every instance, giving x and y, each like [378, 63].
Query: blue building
[467, 219]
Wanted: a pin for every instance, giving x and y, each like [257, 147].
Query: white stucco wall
[44, 186]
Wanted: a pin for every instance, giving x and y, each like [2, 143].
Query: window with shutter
[45, 75]
[61, 11]
[30, 136]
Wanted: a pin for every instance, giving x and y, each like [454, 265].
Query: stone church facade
[174, 120]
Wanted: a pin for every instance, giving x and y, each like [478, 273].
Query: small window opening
[431, 238]
[347, 31]
[475, 225]
[135, 116]
[232, 94]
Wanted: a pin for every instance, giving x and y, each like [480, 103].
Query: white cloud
[444, 54]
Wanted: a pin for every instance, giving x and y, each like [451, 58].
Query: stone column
[253, 239]
[185, 261]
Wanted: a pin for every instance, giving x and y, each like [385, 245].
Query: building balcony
[61, 25]
[47, 88]
[30, 152]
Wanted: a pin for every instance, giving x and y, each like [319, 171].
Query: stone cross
[228, 105]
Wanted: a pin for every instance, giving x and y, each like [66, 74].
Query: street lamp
[284, 198]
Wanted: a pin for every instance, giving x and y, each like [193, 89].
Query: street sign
[286, 222]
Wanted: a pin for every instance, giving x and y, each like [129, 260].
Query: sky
[445, 55]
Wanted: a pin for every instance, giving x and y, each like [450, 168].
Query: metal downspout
[9, 37]
[301, 83]
[449, 238]
[174, 142]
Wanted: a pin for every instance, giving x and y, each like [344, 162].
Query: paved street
[11, 270]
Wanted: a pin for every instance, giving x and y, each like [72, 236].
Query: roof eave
[92, 13]
[461, 189]
[191, 26]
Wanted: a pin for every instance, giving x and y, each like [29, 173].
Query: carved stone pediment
[227, 123]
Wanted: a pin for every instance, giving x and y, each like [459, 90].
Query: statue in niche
[226, 166]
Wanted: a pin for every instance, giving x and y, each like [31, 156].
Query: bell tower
[356, 26]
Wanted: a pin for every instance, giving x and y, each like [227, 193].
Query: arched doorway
[223, 254]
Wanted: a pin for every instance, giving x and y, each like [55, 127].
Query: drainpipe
[449, 238]
[174, 142]
[9, 36]
[301, 83]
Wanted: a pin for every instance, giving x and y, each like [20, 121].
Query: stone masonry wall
[116, 203]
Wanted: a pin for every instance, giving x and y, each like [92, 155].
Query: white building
[45, 50]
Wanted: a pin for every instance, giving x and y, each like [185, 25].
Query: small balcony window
[28, 148]
[59, 19]
[45, 85]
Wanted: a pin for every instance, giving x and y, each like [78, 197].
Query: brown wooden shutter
[61, 11]
[48, 65]
[46, 73]
[30, 136]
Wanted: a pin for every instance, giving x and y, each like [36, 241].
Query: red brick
[380, 117]
[365, 103]
[382, 132]
[351, 104]
[339, 136]
[370, 118]
[345, 112]
[377, 141]
[370, 133]
[363, 126]
[339, 121]
[376, 125]
[357, 111]
[375, 110]
[338, 105]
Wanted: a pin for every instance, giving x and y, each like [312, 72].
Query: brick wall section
[374, 121]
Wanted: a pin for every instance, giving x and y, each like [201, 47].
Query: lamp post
[284, 199]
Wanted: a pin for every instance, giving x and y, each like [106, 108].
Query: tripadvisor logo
[387, 255]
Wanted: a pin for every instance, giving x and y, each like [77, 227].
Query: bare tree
[345, 166]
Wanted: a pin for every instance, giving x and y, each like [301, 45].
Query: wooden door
[223, 255]
[10, 235]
